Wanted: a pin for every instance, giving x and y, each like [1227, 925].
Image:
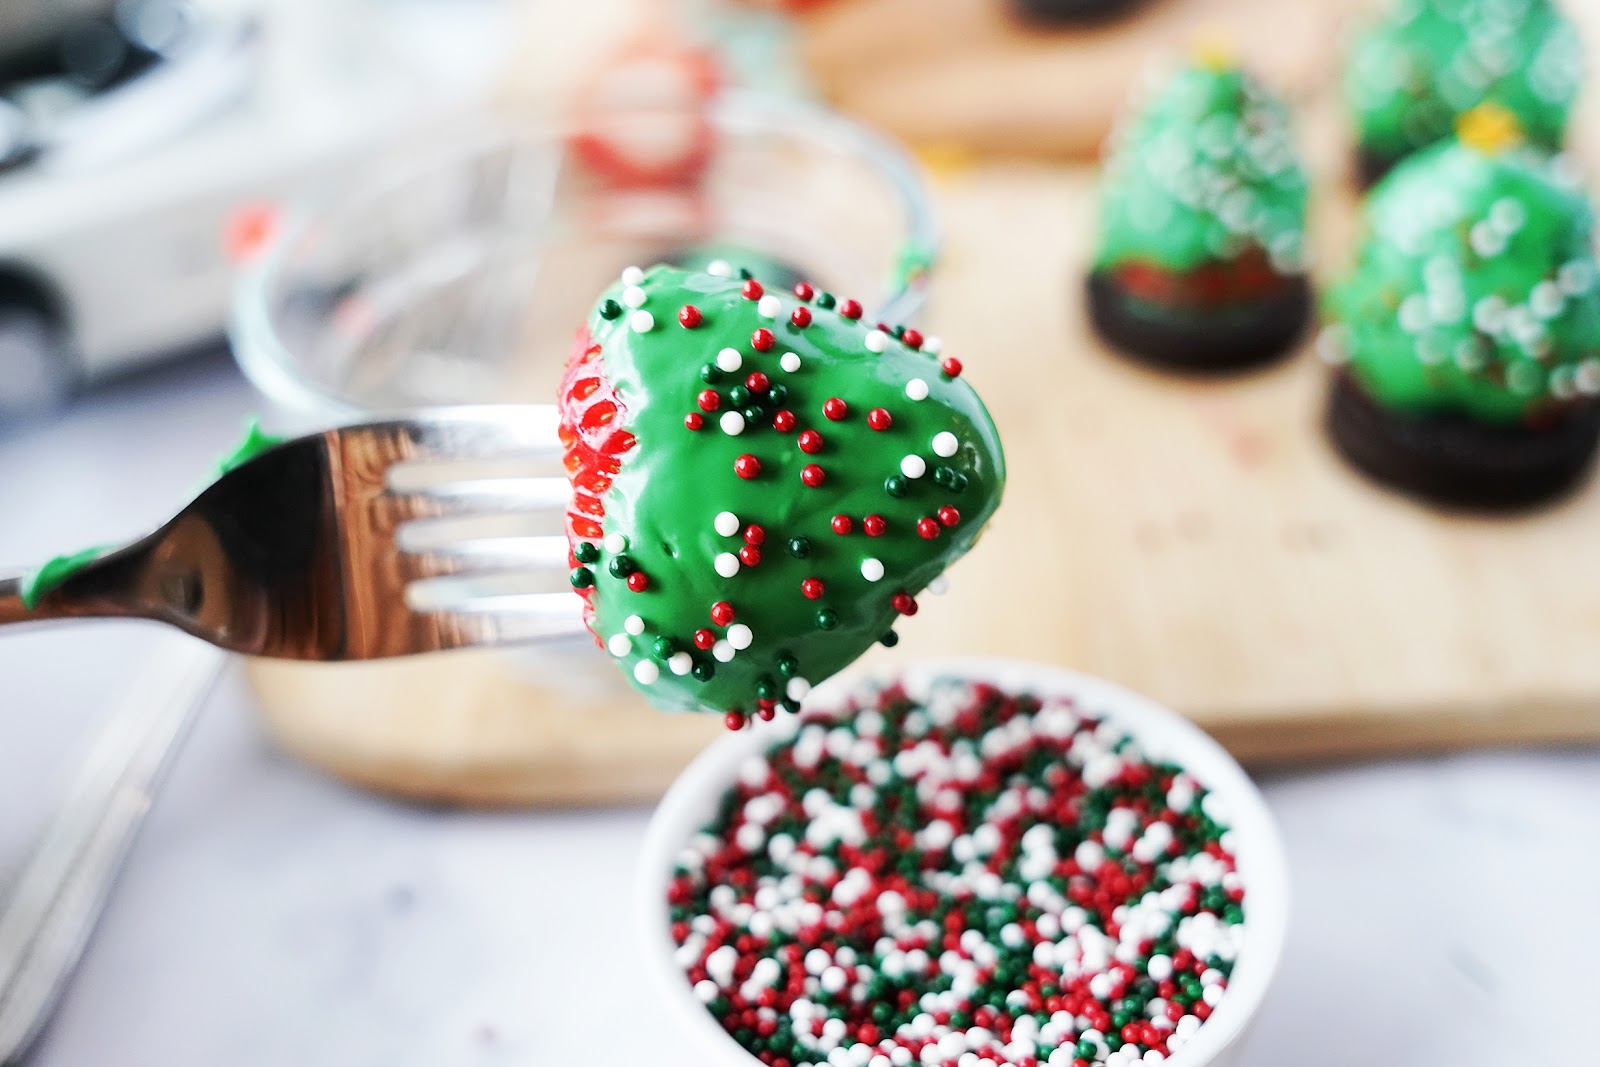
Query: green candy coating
[1413, 72]
[1204, 172]
[672, 487]
[1474, 291]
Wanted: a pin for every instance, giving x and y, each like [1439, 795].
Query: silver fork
[341, 545]
[298, 554]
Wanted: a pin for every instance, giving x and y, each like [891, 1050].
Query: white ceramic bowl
[1162, 734]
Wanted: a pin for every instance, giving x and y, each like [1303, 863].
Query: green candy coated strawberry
[1475, 291]
[1204, 172]
[1425, 63]
[762, 483]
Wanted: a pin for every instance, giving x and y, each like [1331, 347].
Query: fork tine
[482, 554]
[485, 496]
[481, 431]
[512, 618]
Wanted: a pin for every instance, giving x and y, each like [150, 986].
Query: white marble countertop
[1444, 909]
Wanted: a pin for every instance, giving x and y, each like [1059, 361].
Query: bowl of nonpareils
[967, 863]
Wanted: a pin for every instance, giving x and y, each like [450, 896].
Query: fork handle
[12, 609]
[87, 585]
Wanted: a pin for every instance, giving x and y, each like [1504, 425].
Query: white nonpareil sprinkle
[642, 321]
[646, 672]
[939, 586]
[1587, 378]
[732, 423]
[917, 389]
[680, 663]
[634, 296]
[726, 523]
[877, 341]
[632, 275]
[739, 636]
[619, 645]
[797, 689]
[729, 360]
[789, 362]
[872, 569]
[945, 444]
[720, 268]
[726, 564]
[913, 466]
[634, 625]
[769, 306]
[615, 543]
[722, 652]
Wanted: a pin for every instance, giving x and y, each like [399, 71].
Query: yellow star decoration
[1489, 128]
[1213, 50]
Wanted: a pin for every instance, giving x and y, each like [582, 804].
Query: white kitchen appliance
[124, 206]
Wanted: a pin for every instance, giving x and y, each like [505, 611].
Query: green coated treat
[733, 531]
[49, 576]
[1426, 62]
[1205, 172]
[1474, 291]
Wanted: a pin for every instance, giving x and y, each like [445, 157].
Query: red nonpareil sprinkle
[812, 588]
[927, 528]
[752, 289]
[709, 400]
[638, 582]
[734, 720]
[903, 603]
[800, 317]
[842, 524]
[874, 525]
[747, 466]
[704, 639]
[835, 409]
[749, 555]
[722, 613]
[694, 421]
[912, 339]
[949, 516]
[755, 534]
[810, 442]
[784, 421]
[805, 290]
[850, 309]
[762, 340]
[757, 382]
[689, 316]
[958, 876]
[951, 367]
[813, 476]
[880, 419]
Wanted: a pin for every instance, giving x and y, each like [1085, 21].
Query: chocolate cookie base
[1070, 12]
[1372, 167]
[1231, 340]
[1456, 462]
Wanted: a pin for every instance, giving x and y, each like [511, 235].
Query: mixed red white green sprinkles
[976, 880]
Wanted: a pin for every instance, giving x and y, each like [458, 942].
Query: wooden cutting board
[1193, 540]
[966, 77]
